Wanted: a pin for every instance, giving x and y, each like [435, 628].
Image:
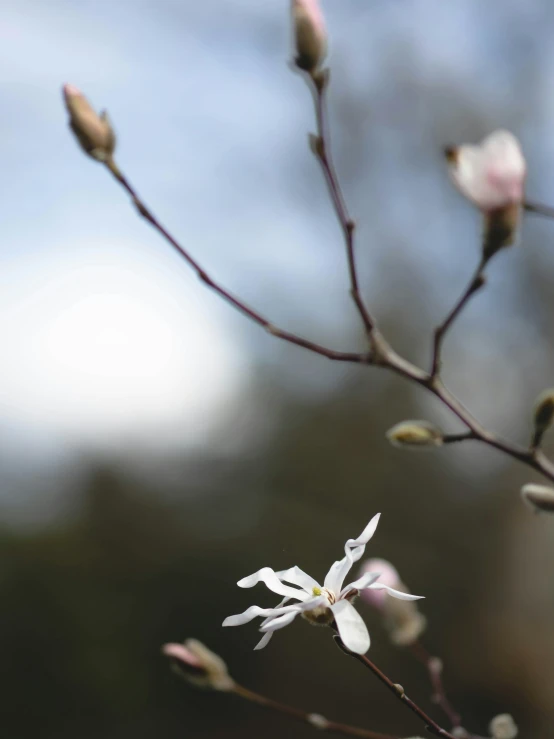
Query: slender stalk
[434, 666]
[539, 209]
[476, 283]
[291, 338]
[385, 356]
[319, 82]
[397, 690]
[314, 719]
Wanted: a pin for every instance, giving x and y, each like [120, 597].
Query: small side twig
[430, 724]
[434, 667]
[320, 145]
[476, 283]
[314, 719]
[539, 209]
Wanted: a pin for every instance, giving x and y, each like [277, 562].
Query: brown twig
[314, 719]
[220, 290]
[386, 356]
[476, 283]
[397, 690]
[539, 209]
[434, 667]
[320, 145]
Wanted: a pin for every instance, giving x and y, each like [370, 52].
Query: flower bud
[415, 434]
[492, 174]
[503, 727]
[543, 415]
[310, 35]
[199, 666]
[401, 618]
[94, 132]
[539, 497]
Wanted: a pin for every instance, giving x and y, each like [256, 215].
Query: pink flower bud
[492, 174]
[93, 132]
[389, 576]
[199, 666]
[401, 618]
[310, 34]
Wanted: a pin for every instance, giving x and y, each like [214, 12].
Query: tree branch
[314, 719]
[397, 690]
[321, 147]
[476, 283]
[291, 338]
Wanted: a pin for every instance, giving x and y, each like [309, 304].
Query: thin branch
[434, 667]
[386, 357]
[321, 147]
[476, 283]
[539, 209]
[314, 719]
[397, 690]
[146, 213]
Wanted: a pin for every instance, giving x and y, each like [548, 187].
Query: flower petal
[367, 579]
[279, 621]
[354, 550]
[352, 629]
[264, 641]
[296, 576]
[254, 611]
[270, 578]
[395, 593]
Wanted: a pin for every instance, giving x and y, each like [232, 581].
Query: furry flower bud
[503, 727]
[539, 497]
[199, 666]
[93, 132]
[543, 415]
[401, 618]
[310, 35]
[415, 434]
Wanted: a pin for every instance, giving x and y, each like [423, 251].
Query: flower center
[331, 597]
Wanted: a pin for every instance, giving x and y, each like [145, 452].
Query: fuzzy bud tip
[199, 666]
[539, 497]
[310, 35]
[503, 727]
[93, 131]
[415, 434]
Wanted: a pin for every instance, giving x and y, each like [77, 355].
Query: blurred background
[155, 446]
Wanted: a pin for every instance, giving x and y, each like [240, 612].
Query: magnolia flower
[492, 174]
[319, 604]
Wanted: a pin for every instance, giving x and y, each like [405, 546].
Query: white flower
[492, 174]
[318, 604]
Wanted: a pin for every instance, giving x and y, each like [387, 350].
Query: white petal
[363, 582]
[395, 593]
[254, 611]
[352, 629]
[279, 621]
[354, 550]
[296, 576]
[264, 641]
[492, 174]
[271, 580]
[279, 605]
